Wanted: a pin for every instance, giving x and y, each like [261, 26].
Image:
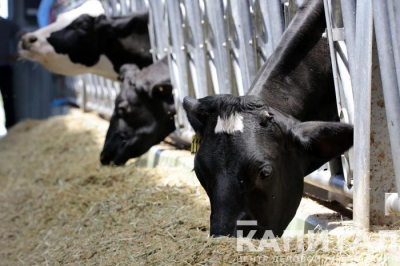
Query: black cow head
[143, 115]
[253, 158]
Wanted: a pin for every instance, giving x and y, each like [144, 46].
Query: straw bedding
[58, 206]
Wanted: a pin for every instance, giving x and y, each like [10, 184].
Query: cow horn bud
[190, 104]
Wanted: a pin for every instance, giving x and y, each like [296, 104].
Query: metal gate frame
[230, 34]
[217, 47]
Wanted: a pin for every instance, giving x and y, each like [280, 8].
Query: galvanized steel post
[218, 47]
[243, 44]
[196, 48]
[269, 24]
[179, 62]
[384, 38]
[362, 122]
[158, 29]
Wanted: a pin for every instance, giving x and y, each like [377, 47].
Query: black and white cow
[256, 149]
[143, 115]
[83, 40]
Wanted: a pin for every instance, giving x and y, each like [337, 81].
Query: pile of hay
[58, 206]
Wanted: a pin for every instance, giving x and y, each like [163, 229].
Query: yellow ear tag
[196, 141]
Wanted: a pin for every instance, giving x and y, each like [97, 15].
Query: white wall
[4, 8]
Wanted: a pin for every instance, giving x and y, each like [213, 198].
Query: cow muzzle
[105, 159]
[109, 159]
[27, 41]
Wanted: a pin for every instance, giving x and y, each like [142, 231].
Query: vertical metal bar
[159, 30]
[90, 89]
[124, 8]
[178, 63]
[196, 49]
[84, 94]
[394, 17]
[362, 122]
[152, 35]
[109, 100]
[179, 48]
[106, 6]
[217, 46]
[389, 80]
[290, 11]
[98, 92]
[243, 43]
[343, 87]
[93, 94]
[349, 21]
[144, 4]
[138, 5]
[299, 3]
[327, 8]
[113, 7]
[272, 26]
[133, 5]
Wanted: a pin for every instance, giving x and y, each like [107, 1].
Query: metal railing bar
[324, 180]
[362, 122]
[389, 80]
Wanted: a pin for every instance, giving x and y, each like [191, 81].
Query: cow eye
[78, 24]
[266, 117]
[124, 137]
[266, 172]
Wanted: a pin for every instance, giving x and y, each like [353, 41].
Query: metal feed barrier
[217, 47]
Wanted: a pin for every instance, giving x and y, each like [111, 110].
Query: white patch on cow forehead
[230, 125]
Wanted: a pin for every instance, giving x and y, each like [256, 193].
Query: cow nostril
[23, 45]
[104, 160]
[32, 39]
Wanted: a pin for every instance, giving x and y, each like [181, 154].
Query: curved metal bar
[243, 42]
[389, 80]
[217, 47]
[196, 49]
[335, 184]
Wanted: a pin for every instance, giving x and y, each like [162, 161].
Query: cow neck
[297, 78]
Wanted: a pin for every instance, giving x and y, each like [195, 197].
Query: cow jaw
[61, 64]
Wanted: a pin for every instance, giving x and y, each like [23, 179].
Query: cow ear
[191, 107]
[128, 72]
[162, 90]
[136, 22]
[323, 140]
[102, 25]
[101, 18]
